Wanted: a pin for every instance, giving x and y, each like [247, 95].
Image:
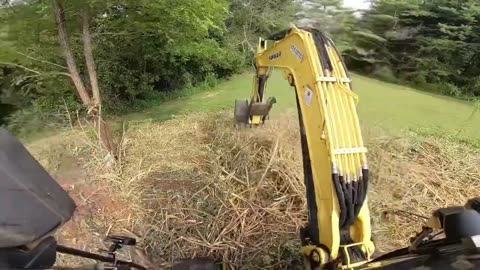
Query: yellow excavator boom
[334, 155]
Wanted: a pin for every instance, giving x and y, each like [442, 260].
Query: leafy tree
[326, 15]
[141, 49]
[448, 43]
[331, 17]
[380, 34]
[250, 19]
[431, 43]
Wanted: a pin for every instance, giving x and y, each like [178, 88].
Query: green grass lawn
[394, 107]
[391, 107]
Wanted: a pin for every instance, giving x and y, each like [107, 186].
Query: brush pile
[197, 186]
[414, 176]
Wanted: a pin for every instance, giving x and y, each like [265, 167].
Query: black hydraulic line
[352, 197]
[262, 81]
[313, 229]
[359, 196]
[347, 193]
[345, 201]
[356, 191]
[341, 199]
[365, 173]
[363, 189]
[321, 41]
[93, 256]
[323, 51]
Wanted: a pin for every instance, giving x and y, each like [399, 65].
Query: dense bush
[146, 50]
[433, 44]
[143, 50]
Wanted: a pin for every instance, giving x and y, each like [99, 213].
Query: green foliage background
[433, 44]
[146, 51]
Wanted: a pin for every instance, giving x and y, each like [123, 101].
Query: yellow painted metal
[256, 120]
[332, 128]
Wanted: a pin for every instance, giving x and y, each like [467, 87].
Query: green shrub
[445, 89]
[385, 73]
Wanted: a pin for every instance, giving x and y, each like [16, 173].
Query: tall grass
[196, 186]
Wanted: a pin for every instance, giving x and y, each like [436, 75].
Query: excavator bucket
[260, 109]
[253, 113]
[242, 112]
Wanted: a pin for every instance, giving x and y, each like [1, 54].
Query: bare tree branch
[37, 73]
[42, 61]
[88, 51]
[246, 39]
[47, 74]
[22, 67]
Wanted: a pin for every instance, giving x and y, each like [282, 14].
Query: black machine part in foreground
[459, 248]
[32, 207]
[32, 204]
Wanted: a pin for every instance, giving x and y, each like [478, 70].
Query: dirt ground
[97, 206]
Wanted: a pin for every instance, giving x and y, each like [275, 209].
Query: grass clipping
[199, 187]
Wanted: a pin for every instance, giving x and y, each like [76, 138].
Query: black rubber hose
[360, 196]
[324, 41]
[366, 174]
[321, 41]
[362, 191]
[262, 81]
[308, 178]
[356, 191]
[347, 192]
[341, 199]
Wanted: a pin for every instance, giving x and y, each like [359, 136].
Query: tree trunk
[67, 51]
[92, 70]
[94, 104]
[100, 124]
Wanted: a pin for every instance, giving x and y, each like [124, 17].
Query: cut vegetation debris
[196, 186]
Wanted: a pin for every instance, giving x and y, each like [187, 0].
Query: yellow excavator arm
[334, 155]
